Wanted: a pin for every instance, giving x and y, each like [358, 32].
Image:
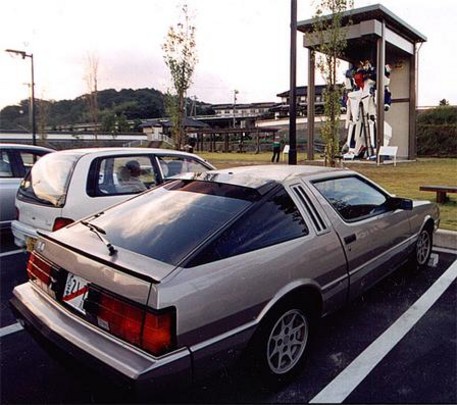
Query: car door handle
[349, 239]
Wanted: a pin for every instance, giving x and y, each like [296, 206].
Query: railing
[154, 138]
[136, 144]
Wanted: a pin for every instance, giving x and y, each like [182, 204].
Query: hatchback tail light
[39, 270]
[152, 331]
[61, 222]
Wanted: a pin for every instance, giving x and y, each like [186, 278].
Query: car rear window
[48, 180]
[173, 165]
[169, 222]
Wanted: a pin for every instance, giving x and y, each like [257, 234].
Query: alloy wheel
[287, 341]
[423, 247]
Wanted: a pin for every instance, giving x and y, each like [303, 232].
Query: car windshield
[48, 180]
[169, 222]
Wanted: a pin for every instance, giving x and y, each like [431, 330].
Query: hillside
[116, 108]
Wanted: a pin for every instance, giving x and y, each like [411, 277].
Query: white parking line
[340, 388]
[10, 329]
[12, 252]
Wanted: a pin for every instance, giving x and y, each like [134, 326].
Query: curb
[445, 239]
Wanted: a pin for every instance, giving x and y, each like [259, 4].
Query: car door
[373, 235]
[14, 164]
[9, 182]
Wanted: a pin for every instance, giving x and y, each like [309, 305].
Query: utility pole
[226, 146]
[235, 92]
[293, 85]
[32, 102]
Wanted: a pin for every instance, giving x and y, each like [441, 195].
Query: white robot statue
[360, 107]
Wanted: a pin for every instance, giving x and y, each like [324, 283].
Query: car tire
[281, 343]
[423, 248]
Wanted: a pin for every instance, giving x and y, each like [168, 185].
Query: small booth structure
[378, 37]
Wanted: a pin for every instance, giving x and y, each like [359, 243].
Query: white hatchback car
[71, 184]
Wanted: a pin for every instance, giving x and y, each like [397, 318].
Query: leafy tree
[444, 102]
[43, 107]
[331, 39]
[115, 123]
[109, 123]
[180, 57]
[10, 115]
[133, 104]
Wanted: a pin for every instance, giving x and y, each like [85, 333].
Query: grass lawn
[403, 180]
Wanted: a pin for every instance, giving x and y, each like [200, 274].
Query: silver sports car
[184, 278]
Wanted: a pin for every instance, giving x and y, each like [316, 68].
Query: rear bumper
[21, 232]
[110, 357]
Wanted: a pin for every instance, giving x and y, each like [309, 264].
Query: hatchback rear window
[168, 223]
[48, 180]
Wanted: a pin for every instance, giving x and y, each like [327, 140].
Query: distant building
[239, 115]
[281, 110]
[245, 115]
[251, 110]
[159, 129]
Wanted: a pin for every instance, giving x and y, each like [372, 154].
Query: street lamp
[28, 55]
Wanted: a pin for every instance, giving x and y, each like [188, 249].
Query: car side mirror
[397, 203]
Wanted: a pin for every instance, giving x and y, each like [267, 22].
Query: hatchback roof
[84, 151]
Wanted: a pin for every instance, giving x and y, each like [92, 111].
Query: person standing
[276, 149]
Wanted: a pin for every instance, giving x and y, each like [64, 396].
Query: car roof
[125, 150]
[24, 146]
[259, 175]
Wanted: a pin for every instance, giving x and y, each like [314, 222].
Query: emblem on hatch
[39, 246]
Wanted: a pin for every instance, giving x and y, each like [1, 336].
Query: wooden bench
[440, 192]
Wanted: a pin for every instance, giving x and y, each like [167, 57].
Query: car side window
[121, 175]
[273, 221]
[173, 165]
[28, 160]
[5, 165]
[352, 197]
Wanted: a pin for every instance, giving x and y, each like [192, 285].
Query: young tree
[92, 96]
[180, 57]
[43, 116]
[331, 37]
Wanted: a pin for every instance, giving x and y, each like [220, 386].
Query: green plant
[330, 36]
[437, 132]
[180, 57]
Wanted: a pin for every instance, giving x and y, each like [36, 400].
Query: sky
[242, 45]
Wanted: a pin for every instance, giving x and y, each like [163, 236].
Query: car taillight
[136, 324]
[61, 222]
[39, 270]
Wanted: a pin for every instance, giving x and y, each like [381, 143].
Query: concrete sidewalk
[445, 239]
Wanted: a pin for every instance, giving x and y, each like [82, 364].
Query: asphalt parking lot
[395, 344]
